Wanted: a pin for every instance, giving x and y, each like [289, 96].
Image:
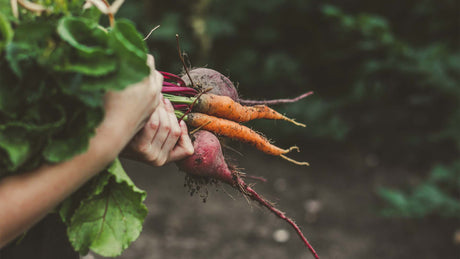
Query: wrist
[112, 135]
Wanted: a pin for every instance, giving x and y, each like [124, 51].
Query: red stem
[178, 90]
[258, 178]
[275, 101]
[169, 76]
[181, 107]
[255, 196]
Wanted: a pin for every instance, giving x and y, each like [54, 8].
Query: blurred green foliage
[386, 74]
[436, 195]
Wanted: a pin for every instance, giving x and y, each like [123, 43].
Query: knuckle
[143, 148]
[152, 158]
[167, 127]
[176, 133]
[163, 161]
[160, 161]
[154, 125]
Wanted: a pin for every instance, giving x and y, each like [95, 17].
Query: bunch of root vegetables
[209, 104]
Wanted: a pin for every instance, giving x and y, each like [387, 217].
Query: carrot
[225, 107]
[239, 132]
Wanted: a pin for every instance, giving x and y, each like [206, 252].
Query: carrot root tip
[294, 161]
[296, 148]
[200, 127]
[295, 122]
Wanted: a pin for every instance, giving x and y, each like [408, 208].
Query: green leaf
[92, 66]
[111, 217]
[17, 146]
[6, 32]
[397, 200]
[71, 85]
[5, 6]
[132, 67]
[75, 139]
[22, 138]
[127, 41]
[84, 35]
[90, 54]
[95, 186]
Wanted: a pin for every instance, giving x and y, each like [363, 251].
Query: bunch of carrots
[222, 115]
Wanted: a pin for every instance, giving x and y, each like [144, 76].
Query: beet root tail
[274, 102]
[248, 191]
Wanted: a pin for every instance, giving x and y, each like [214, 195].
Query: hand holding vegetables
[129, 109]
[163, 139]
[57, 134]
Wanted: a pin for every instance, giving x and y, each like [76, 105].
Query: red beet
[209, 162]
[205, 78]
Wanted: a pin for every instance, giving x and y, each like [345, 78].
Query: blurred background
[383, 134]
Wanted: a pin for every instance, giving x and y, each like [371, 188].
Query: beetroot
[209, 163]
[205, 78]
[207, 160]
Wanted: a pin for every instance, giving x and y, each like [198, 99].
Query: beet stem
[257, 178]
[183, 61]
[275, 101]
[253, 195]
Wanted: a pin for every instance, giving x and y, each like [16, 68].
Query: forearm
[27, 198]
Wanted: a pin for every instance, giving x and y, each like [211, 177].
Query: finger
[148, 132]
[156, 81]
[151, 62]
[184, 147]
[141, 144]
[162, 132]
[175, 131]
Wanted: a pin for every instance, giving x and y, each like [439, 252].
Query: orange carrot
[239, 132]
[224, 107]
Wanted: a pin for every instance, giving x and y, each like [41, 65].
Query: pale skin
[138, 121]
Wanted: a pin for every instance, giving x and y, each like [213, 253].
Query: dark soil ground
[333, 201]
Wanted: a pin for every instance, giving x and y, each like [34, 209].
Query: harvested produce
[210, 114]
[209, 162]
[210, 79]
[225, 107]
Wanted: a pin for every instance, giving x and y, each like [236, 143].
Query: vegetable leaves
[111, 217]
[54, 71]
[61, 67]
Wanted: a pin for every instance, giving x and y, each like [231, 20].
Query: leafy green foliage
[111, 215]
[439, 195]
[6, 33]
[54, 71]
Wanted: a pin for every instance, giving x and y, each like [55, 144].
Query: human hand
[128, 110]
[162, 140]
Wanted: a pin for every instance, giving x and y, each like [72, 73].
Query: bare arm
[26, 198]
